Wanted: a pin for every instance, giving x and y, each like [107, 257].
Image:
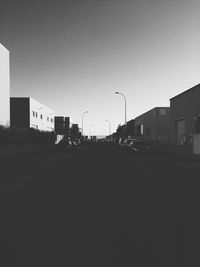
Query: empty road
[100, 206]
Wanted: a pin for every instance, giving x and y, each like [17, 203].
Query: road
[100, 206]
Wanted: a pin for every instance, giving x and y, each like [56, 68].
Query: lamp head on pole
[116, 92]
[84, 112]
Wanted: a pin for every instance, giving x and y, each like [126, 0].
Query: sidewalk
[21, 149]
[182, 151]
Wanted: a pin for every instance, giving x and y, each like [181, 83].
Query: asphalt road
[100, 206]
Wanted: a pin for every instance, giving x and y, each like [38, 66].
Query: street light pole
[118, 93]
[109, 126]
[82, 120]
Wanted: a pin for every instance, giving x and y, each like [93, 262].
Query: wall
[4, 87]
[62, 125]
[147, 119]
[163, 123]
[185, 106]
[41, 117]
[19, 112]
[156, 125]
[130, 129]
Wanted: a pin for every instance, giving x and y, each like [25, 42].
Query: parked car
[126, 143]
[76, 142]
[139, 146]
[65, 145]
[121, 141]
[115, 141]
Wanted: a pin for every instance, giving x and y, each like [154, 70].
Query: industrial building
[185, 116]
[126, 130]
[130, 128]
[154, 125]
[4, 87]
[62, 125]
[26, 112]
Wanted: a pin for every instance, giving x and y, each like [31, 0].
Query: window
[47, 118]
[36, 114]
[41, 117]
[141, 129]
[33, 112]
[162, 111]
[51, 120]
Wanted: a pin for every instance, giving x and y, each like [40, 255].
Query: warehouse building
[26, 112]
[185, 116]
[4, 87]
[126, 130]
[62, 125]
[154, 125]
[130, 128]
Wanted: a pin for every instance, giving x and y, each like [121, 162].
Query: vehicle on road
[76, 142]
[121, 142]
[126, 143]
[115, 141]
[139, 146]
[65, 145]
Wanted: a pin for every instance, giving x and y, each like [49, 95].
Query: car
[121, 141]
[139, 146]
[125, 143]
[76, 142]
[65, 145]
[115, 141]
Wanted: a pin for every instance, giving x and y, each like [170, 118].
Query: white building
[28, 113]
[4, 87]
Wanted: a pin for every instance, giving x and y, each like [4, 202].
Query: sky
[72, 55]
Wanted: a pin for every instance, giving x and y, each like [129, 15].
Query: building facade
[126, 130]
[154, 125]
[130, 128]
[62, 125]
[4, 87]
[26, 112]
[185, 116]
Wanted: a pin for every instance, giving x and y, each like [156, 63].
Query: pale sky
[72, 55]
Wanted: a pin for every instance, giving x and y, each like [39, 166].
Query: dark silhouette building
[62, 125]
[154, 125]
[130, 128]
[185, 115]
[26, 112]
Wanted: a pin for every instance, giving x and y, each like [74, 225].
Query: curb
[177, 153]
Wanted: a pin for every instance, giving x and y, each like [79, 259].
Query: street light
[109, 126]
[118, 93]
[82, 120]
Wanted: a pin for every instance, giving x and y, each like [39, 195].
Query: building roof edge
[3, 47]
[186, 91]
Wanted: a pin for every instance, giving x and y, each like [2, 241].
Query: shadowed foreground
[100, 206]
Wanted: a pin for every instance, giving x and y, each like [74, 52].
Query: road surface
[100, 206]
